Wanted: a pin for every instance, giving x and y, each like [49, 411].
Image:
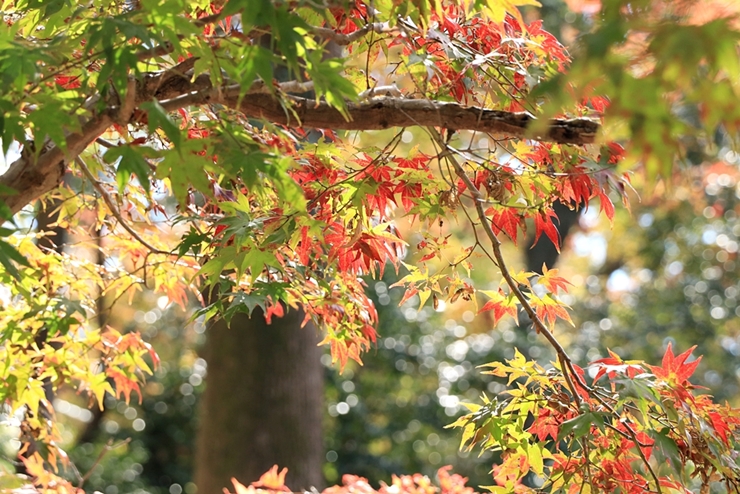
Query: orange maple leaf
[273, 480]
[552, 281]
[675, 367]
[501, 305]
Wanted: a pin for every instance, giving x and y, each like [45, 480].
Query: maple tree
[160, 126]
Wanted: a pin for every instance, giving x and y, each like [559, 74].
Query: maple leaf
[607, 206]
[273, 480]
[507, 219]
[675, 368]
[721, 426]
[543, 222]
[274, 310]
[68, 82]
[548, 309]
[240, 488]
[614, 364]
[577, 189]
[546, 424]
[552, 281]
[500, 304]
[123, 384]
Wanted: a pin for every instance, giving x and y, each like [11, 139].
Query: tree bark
[262, 404]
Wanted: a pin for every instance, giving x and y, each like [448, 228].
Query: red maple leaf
[68, 82]
[274, 310]
[721, 426]
[543, 222]
[546, 424]
[675, 368]
[607, 207]
[508, 220]
[577, 189]
[500, 304]
[613, 365]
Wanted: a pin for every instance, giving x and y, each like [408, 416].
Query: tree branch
[348, 39]
[569, 372]
[31, 177]
[384, 113]
[114, 210]
[35, 174]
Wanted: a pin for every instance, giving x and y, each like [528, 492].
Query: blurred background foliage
[665, 271]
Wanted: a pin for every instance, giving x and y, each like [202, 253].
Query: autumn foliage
[274, 481]
[189, 166]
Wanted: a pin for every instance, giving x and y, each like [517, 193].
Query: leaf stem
[569, 371]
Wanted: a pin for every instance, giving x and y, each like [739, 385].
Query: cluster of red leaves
[474, 40]
[357, 249]
[274, 481]
[349, 201]
[393, 182]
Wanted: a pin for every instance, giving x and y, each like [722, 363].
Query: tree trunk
[262, 404]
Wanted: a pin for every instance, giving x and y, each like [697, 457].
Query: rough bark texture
[262, 404]
[384, 113]
[31, 177]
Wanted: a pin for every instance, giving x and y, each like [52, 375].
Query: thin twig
[109, 446]
[569, 371]
[114, 210]
[104, 143]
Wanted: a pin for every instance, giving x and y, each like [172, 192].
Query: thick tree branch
[384, 113]
[381, 113]
[34, 175]
[348, 39]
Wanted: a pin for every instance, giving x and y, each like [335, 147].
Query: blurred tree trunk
[262, 404]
